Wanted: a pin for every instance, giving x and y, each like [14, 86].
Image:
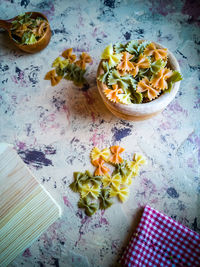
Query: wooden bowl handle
[5, 24]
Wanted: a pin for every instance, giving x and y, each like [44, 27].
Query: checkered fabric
[161, 241]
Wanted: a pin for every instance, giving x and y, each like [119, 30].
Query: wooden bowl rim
[145, 108]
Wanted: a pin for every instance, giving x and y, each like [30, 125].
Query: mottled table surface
[54, 128]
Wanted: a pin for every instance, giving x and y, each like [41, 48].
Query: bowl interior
[144, 108]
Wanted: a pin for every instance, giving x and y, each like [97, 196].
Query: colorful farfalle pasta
[98, 191]
[69, 69]
[136, 72]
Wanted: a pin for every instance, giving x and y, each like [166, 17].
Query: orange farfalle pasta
[101, 169]
[159, 80]
[143, 63]
[84, 58]
[157, 53]
[111, 94]
[51, 75]
[115, 158]
[145, 86]
[125, 65]
[68, 54]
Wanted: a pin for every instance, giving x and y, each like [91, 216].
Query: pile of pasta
[98, 190]
[137, 72]
[69, 68]
[28, 30]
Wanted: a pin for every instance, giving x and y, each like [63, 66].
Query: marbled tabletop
[54, 128]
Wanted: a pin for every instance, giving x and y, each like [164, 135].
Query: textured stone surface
[54, 128]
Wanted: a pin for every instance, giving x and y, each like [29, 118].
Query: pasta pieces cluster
[136, 72]
[98, 190]
[69, 68]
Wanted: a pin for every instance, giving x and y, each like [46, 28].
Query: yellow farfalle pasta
[58, 62]
[112, 94]
[90, 190]
[133, 166]
[157, 53]
[159, 80]
[111, 180]
[96, 153]
[145, 86]
[121, 192]
[113, 59]
[98, 189]
[142, 63]
[139, 159]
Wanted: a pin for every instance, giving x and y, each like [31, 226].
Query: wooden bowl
[137, 112]
[29, 48]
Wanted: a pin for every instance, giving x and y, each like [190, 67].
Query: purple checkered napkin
[161, 241]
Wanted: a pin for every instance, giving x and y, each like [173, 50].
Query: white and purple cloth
[161, 241]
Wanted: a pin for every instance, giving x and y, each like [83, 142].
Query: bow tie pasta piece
[143, 63]
[84, 59]
[157, 53]
[159, 80]
[138, 68]
[139, 159]
[112, 94]
[145, 86]
[133, 167]
[58, 62]
[104, 198]
[90, 207]
[113, 59]
[79, 180]
[96, 153]
[125, 65]
[68, 55]
[121, 192]
[114, 180]
[51, 75]
[90, 190]
[101, 169]
[103, 77]
[115, 158]
[125, 98]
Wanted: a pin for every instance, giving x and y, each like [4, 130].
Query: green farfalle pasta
[132, 47]
[79, 179]
[176, 77]
[103, 77]
[118, 47]
[89, 206]
[136, 72]
[137, 97]
[123, 81]
[70, 70]
[156, 66]
[105, 199]
[98, 192]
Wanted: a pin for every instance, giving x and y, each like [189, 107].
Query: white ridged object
[26, 208]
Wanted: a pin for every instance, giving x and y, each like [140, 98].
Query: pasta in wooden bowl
[137, 80]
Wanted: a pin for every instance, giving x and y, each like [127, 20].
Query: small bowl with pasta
[137, 80]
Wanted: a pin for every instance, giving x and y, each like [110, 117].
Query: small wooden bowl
[137, 112]
[29, 48]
